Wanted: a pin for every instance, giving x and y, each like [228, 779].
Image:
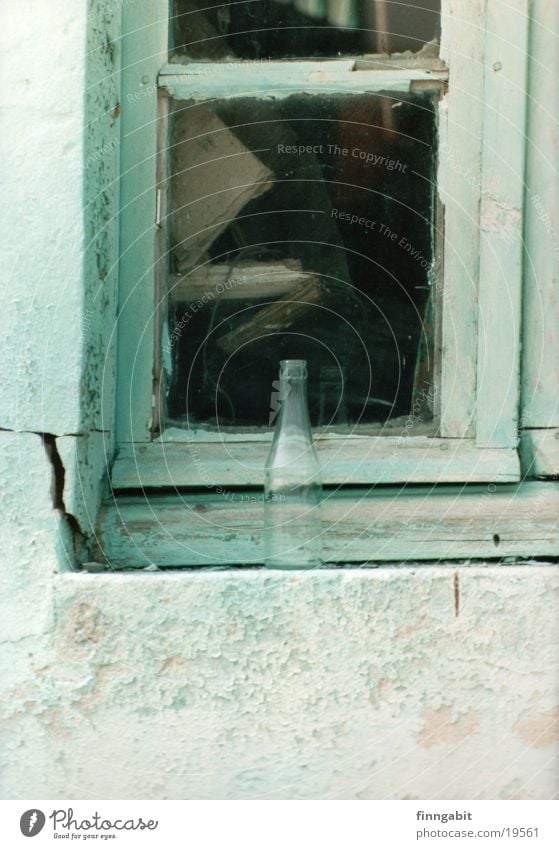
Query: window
[352, 205]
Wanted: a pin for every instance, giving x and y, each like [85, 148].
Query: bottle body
[292, 488]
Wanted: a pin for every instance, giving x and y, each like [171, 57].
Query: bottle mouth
[293, 368]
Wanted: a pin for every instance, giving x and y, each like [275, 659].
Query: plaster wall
[429, 682]
[41, 148]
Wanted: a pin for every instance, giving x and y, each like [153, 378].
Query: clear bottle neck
[293, 420]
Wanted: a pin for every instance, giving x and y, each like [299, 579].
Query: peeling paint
[444, 727]
[539, 730]
[500, 219]
[262, 685]
[338, 684]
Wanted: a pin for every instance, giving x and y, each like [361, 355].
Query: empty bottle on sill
[292, 489]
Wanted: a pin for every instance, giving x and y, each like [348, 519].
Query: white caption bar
[280, 824]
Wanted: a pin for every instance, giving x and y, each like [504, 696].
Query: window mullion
[460, 130]
[144, 50]
[502, 199]
[200, 81]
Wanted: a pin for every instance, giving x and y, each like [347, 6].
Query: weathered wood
[161, 270]
[144, 50]
[100, 222]
[383, 525]
[501, 245]
[204, 80]
[460, 188]
[402, 61]
[276, 317]
[460, 123]
[344, 460]
[213, 176]
[400, 426]
[539, 451]
[428, 86]
[540, 351]
[242, 281]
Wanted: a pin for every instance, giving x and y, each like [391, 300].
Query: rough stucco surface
[348, 684]
[344, 684]
[32, 537]
[41, 149]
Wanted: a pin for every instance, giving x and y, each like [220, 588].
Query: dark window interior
[300, 228]
[281, 29]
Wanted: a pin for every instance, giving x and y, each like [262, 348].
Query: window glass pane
[301, 229]
[276, 29]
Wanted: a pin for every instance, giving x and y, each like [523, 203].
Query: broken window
[280, 29]
[300, 228]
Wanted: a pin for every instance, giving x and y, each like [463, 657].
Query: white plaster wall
[348, 684]
[42, 45]
[338, 684]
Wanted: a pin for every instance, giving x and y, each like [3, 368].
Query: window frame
[482, 188]
[482, 270]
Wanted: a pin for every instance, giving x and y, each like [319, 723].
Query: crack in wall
[58, 471]
[456, 593]
[80, 538]
[56, 435]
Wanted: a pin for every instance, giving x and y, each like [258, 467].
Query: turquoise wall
[400, 682]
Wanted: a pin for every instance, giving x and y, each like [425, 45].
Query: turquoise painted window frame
[482, 188]
[482, 192]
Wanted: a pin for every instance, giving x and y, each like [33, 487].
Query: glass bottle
[292, 488]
